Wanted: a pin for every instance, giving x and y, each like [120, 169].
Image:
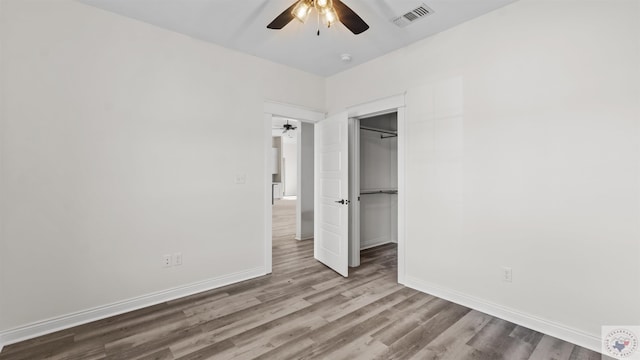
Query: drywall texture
[121, 143]
[522, 150]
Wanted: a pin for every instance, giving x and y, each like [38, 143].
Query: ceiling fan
[287, 127]
[330, 11]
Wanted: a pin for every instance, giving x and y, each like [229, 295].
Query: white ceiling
[241, 25]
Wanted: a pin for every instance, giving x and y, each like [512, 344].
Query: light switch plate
[241, 178]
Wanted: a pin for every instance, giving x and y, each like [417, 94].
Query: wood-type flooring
[303, 311]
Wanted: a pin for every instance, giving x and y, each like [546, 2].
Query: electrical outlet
[507, 274]
[166, 261]
[177, 259]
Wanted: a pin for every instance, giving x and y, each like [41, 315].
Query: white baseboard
[560, 331]
[304, 237]
[101, 312]
[377, 242]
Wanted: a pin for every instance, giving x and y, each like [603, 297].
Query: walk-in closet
[375, 182]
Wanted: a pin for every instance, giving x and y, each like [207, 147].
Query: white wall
[290, 156]
[3, 251]
[522, 151]
[115, 151]
[304, 211]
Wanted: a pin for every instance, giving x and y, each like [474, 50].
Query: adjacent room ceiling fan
[330, 11]
[287, 127]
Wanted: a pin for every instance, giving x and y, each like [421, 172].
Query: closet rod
[392, 192]
[380, 130]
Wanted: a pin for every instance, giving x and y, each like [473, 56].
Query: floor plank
[303, 311]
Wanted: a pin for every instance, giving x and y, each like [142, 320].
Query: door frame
[271, 109]
[378, 107]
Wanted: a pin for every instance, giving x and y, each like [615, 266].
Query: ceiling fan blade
[283, 19]
[349, 18]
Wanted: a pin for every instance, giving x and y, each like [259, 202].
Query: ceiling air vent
[414, 15]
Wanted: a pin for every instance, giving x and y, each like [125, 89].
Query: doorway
[292, 171]
[390, 105]
[374, 183]
[305, 119]
[284, 134]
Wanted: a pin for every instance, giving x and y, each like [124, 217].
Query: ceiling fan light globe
[330, 16]
[302, 9]
[322, 6]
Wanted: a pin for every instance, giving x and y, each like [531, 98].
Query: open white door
[331, 205]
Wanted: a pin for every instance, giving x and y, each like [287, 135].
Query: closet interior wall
[378, 180]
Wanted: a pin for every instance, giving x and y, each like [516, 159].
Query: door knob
[343, 202]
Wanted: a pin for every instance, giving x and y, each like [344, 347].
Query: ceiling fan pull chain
[318, 33]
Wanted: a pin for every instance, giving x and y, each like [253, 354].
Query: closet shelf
[371, 192]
